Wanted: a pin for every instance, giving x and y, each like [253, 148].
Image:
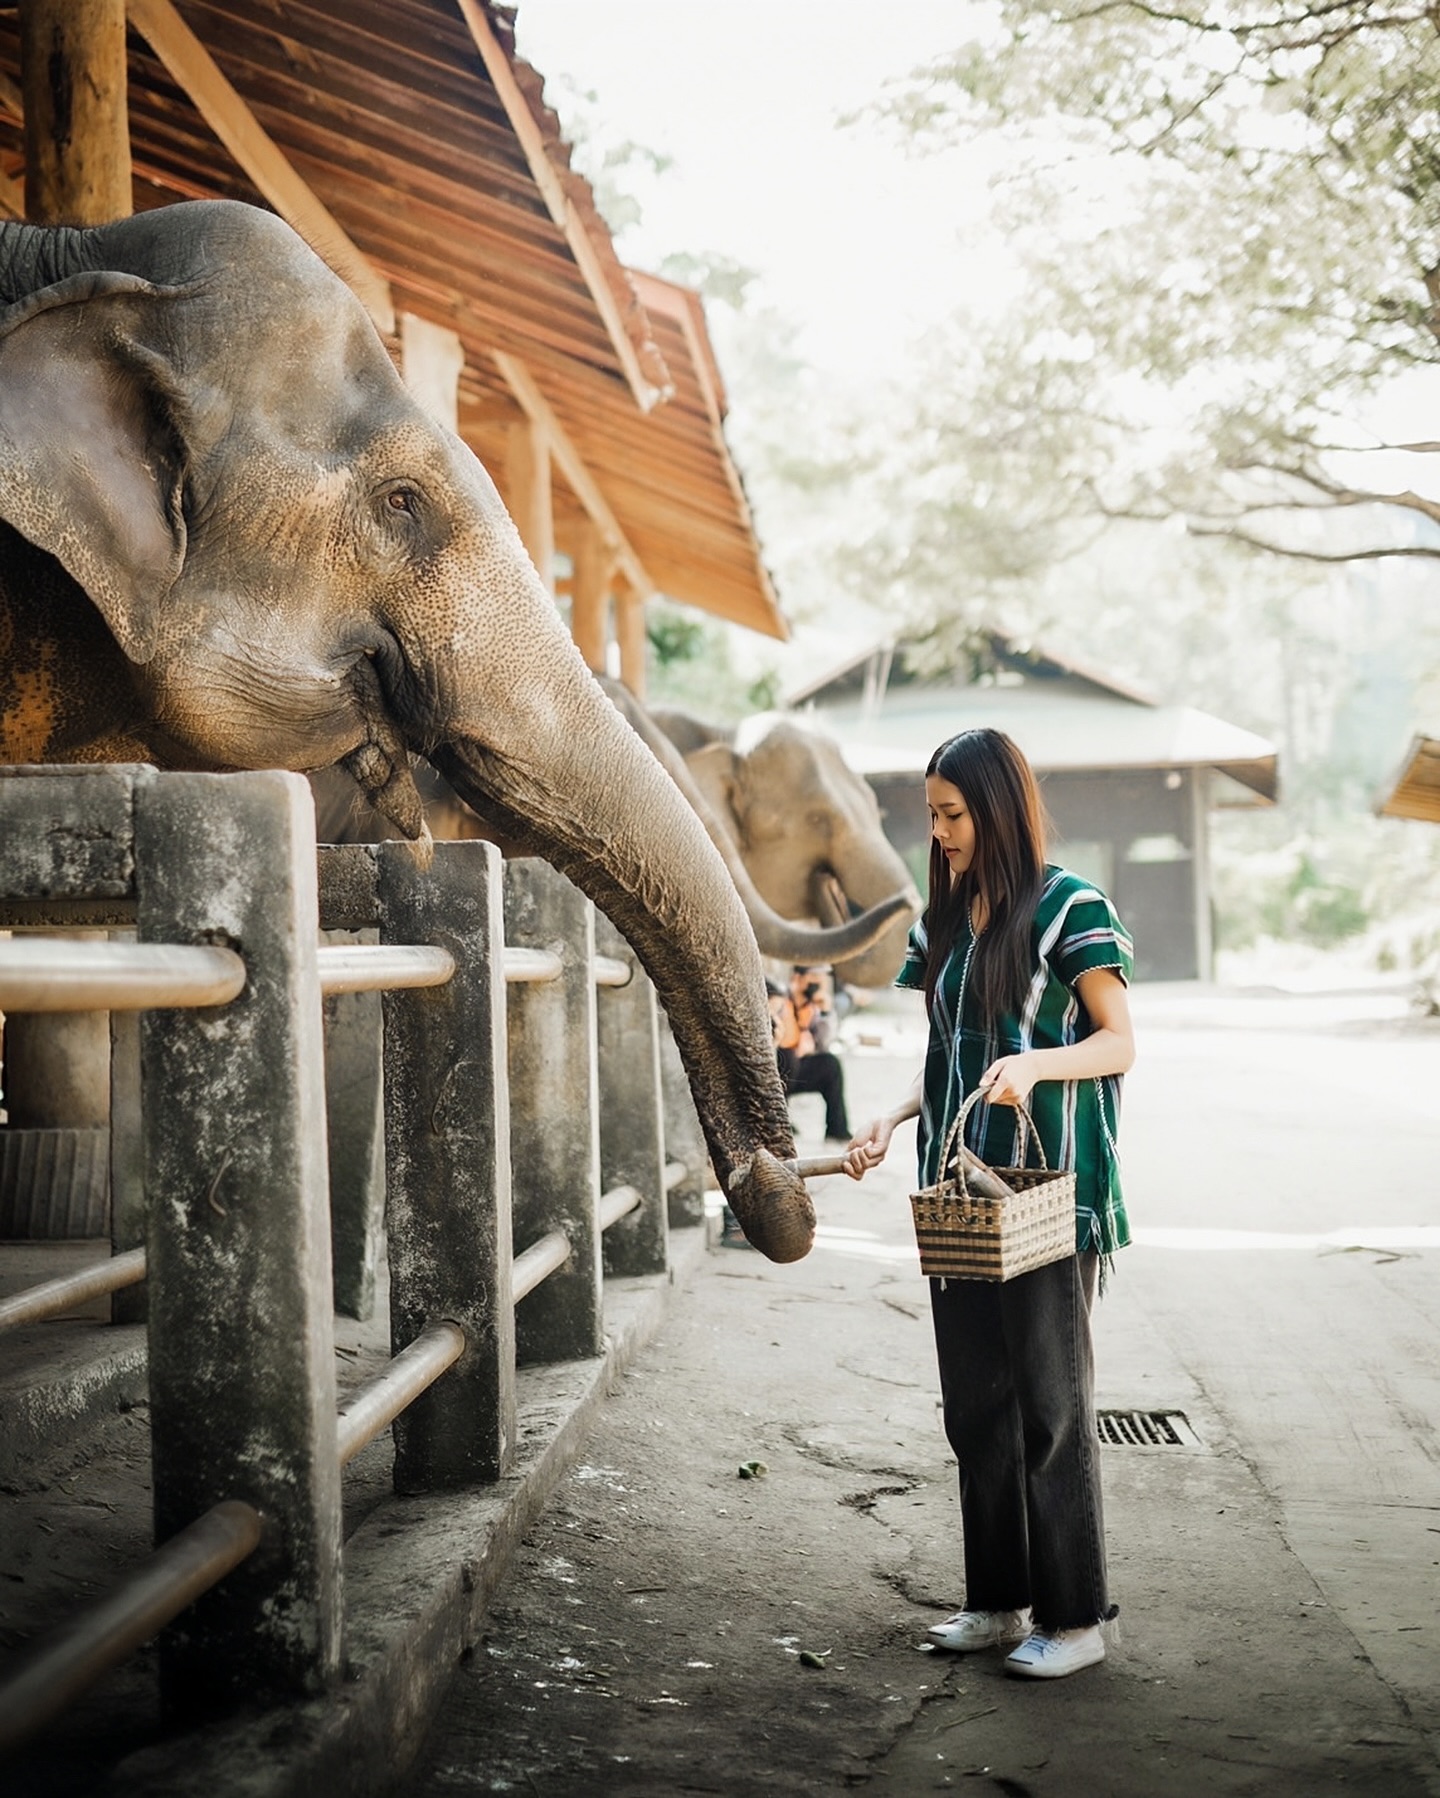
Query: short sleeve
[912, 969]
[1088, 935]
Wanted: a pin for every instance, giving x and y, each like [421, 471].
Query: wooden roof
[413, 130]
[1415, 791]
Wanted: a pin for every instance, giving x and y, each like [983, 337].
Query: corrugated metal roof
[1415, 791]
[1068, 718]
[426, 136]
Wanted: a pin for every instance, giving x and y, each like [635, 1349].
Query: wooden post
[632, 1132]
[431, 359]
[630, 631]
[242, 1358]
[554, 1111]
[77, 128]
[530, 500]
[590, 596]
[447, 1161]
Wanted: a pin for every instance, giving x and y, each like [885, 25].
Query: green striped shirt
[1076, 929]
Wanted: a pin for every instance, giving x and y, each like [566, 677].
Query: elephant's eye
[403, 499]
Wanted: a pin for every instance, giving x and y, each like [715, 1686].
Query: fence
[525, 1082]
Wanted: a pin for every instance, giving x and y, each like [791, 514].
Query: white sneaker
[1053, 1656]
[968, 1630]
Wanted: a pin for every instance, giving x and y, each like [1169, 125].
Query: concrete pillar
[447, 1161]
[56, 1072]
[632, 1138]
[77, 127]
[242, 1360]
[356, 1146]
[554, 1120]
[684, 1139]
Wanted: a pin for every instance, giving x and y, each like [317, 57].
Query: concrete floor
[671, 1627]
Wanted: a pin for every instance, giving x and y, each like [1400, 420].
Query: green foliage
[674, 636]
[692, 666]
[1226, 221]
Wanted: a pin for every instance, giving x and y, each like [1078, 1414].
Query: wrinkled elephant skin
[809, 832]
[231, 539]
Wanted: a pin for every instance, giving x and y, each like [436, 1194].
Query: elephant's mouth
[382, 772]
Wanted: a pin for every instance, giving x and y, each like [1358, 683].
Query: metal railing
[460, 1063]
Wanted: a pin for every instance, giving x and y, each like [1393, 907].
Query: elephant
[822, 829]
[230, 538]
[806, 827]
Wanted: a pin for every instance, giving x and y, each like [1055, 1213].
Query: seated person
[803, 1021]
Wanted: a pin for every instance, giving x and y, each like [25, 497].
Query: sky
[855, 241]
[862, 247]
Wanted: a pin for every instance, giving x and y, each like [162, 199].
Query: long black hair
[1007, 869]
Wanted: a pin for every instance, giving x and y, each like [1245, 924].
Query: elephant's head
[296, 567]
[810, 833]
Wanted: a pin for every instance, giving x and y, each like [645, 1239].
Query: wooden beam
[590, 596]
[232, 121]
[630, 633]
[529, 498]
[570, 463]
[77, 121]
[12, 197]
[582, 246]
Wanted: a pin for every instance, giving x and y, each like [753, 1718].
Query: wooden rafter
[572, 465]
[232, 121]
[552, 188]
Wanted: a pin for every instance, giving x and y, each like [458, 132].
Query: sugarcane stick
[812, 1167]
[980, 1180]
[979, 1177]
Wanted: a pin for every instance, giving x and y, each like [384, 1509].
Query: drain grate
[1146, 1429]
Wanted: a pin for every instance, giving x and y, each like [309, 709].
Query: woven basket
[963, 1236]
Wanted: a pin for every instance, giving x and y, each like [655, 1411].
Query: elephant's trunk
[574, 785]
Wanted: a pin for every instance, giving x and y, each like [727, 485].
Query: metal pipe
[535, 966]
[380, 967]
[55, 974]
[675, 1172]
[538, 1262]
[53, 1297]
[371, 1407]
[609, 971]
[619, 1202]
[53, 1673]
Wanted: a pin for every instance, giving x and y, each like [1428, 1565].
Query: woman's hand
[869, 1147]
[1010, 1080]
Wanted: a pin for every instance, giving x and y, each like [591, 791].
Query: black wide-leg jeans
[1017, 1378]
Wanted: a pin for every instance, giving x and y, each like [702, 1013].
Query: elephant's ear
[90, 465]
[714, 772]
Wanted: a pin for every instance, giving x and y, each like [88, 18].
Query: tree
[1226, 220]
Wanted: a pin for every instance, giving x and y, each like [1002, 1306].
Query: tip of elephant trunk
[774, 1209]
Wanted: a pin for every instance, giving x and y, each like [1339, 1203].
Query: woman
[1024, 969]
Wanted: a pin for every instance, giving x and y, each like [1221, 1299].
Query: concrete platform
[420, 1574]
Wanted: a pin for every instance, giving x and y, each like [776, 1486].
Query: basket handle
[968, 1166]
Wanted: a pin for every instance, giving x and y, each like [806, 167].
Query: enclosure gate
[541, 1121]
